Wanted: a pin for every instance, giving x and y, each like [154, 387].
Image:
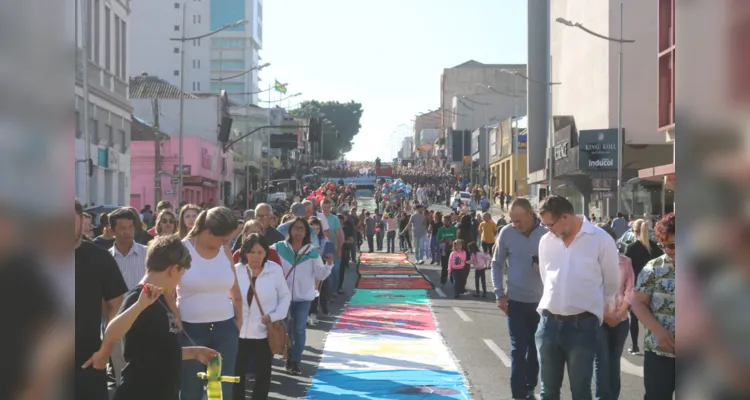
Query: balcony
[101, 79]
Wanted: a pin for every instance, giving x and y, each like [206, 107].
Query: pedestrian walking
[517, 245]
[579, 266]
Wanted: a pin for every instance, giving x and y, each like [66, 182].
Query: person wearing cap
[298, 210]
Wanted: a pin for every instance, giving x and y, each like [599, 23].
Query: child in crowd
[391, 225]
[149, 329]
[479, 261]
[456, 265]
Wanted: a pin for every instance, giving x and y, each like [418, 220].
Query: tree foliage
[344, 124]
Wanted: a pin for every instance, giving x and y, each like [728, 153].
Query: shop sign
[597, 149]
[186, 170]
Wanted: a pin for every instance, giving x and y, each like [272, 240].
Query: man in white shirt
[579, 267]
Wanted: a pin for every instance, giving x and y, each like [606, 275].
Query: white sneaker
[312, 320]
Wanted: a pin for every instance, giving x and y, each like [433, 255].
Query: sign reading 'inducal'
[597, 149]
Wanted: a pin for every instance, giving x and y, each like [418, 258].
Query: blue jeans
[420, 250]
[607, 362]
[567, 343]
[333, 278]
[296, 326]
[222, 336]
[523, 320]
[434, 249]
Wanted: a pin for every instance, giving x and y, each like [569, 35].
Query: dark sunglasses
[167, 221]
[669, 246]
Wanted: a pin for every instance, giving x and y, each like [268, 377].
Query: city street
[475, 331]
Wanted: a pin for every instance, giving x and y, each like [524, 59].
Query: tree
[344, 124]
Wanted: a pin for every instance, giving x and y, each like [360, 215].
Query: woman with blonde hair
[209, 301]
[166, 223]
[640, 253]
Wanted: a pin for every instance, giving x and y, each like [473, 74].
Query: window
[195, 18]
[176, 28]
[97, 32]
[124, 49]
[176, 72]
[196, 42]
[110, 135]
[176, 5]
[176, 50]
[107, 39]
[199, 86]
[94, 131]
[79, 134]
[123, 139]
[118, 45]
[260, 11]
[231, 65]
[196, 64]
[194, 86]
[89, 29]
[226, 43]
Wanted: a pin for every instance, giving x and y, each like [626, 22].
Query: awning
[657, 174]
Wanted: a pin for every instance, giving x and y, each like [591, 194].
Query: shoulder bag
[278, 339]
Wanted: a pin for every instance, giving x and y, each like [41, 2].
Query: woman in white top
[302, 266]
[261, 283]
[208, 298]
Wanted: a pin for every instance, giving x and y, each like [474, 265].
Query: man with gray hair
[263, 214]
[297, 210]
[310, 212]
[518, 245]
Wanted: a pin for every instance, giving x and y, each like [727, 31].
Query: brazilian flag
[279, 87]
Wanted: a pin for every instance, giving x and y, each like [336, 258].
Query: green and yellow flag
[279, 87]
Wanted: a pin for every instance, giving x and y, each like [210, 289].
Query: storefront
[653, 191]
[585, 169]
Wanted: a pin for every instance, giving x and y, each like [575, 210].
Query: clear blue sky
[386, 54]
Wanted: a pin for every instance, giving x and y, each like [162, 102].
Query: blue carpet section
[387, 385]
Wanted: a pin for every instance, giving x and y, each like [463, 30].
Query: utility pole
[620, 139]
[182, 106]
[86, 134]
[157, 152]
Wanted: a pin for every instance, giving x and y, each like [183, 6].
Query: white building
[225, 54]
[587, 69]
[107, 35]
[407, 148]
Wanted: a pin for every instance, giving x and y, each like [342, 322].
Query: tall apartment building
[228, 53]
[102, 43]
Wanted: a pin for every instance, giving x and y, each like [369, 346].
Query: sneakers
[312, 320]
[634, 351]
[293, 367]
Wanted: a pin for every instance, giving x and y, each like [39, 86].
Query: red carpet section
[389, 271]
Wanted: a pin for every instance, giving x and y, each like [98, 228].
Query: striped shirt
[132, 265]
[392, 224]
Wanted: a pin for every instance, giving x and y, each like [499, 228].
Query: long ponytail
[643, 235]
[200, 224]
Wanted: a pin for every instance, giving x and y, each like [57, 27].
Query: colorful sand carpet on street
[385, 344]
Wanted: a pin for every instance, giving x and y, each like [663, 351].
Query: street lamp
[550, 125]
[182, 39]
[620, 139]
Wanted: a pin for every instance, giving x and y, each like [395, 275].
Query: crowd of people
[217, 279]
[214, 281]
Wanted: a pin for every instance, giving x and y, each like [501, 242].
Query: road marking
[498, 351]
[440, 292]
[630, 368]
[462, 314]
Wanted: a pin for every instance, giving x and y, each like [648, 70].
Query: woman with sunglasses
[267, 298]
[166, 223]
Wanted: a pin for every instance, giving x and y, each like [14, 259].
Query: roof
[477, 64]
[149, 87]
[141, 130]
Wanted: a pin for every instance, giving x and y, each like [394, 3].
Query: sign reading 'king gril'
[597, 149]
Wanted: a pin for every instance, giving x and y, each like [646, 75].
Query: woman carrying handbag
[266, 304]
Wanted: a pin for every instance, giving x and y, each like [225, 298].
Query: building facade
[507, 156]
[206, 166]
[587, 69]
[223, 55]
[102, 46]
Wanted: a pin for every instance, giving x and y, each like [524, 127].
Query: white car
[464, 196]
